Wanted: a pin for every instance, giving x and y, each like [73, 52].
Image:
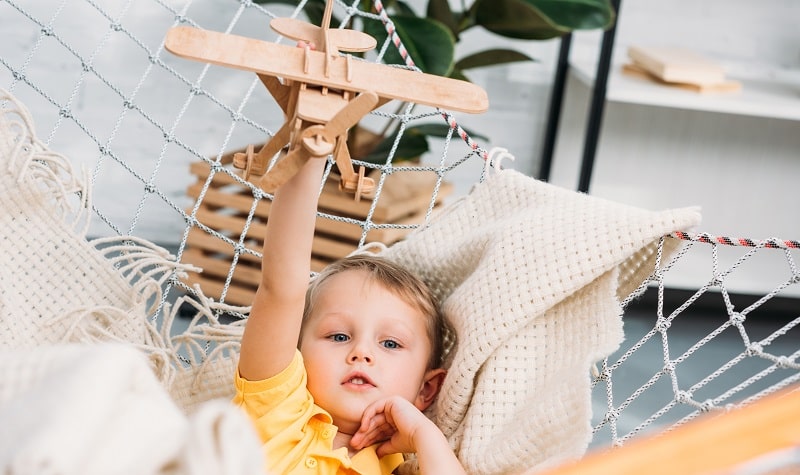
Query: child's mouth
[359, 381]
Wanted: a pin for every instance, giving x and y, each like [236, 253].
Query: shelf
[774, 95]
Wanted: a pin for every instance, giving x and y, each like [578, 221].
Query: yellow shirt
[298, 434]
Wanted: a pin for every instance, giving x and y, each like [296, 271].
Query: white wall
[740, 30]
[742, 170]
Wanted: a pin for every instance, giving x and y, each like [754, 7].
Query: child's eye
[390, 344]
[339, 337]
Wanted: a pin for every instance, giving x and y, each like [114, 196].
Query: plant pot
[404, 199]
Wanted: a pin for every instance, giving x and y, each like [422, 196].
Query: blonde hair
[398, 280]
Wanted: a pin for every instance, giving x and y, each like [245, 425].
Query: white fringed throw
[88, 383]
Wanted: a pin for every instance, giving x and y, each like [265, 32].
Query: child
[348, 398]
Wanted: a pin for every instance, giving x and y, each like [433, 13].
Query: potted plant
[431, 41]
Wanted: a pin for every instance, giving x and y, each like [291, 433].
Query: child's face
[363, 343]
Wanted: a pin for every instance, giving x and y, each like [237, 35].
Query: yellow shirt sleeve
[278, 403]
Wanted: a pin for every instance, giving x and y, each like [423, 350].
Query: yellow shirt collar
[367, 461]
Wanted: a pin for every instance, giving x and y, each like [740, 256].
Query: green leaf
[514, 19]
[457, 73]
[439, 130]
[491, 57]
[314, 9]
[402, 8]
[413, 143]
[284, 2]
[430, 44]
[411, 146]
[541, 19]
[576, 14]
[440, 10]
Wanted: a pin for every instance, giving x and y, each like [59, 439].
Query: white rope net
[105, 93]
[706, 349]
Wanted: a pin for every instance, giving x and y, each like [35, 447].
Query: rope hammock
[154, 142]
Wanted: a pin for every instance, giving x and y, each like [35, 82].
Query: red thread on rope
[743, 242]
[391, 31]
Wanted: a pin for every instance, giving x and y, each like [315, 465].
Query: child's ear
[431, 385]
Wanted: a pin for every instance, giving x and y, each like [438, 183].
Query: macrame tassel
[40, 173]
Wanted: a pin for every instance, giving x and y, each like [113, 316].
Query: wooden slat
[319, 264]
[331, 199]
[321, 246]
[232, 224]
[713, 444]
[236, 295]
[220, 268]
[345, 230]
[353, 231]
[202, 170]
[334, 200]
[199, 239]
[256, 230]
[349, 231]
[240, 202]
[333, 248]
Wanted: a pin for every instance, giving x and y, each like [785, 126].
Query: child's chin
[349, 418]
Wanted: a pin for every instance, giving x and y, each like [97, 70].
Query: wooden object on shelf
[404, 199]
[715, 444]
[722, 87]
[677, 65]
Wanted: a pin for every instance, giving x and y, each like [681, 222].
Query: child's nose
[360, 354]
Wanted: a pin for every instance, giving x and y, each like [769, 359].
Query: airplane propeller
[319, 141]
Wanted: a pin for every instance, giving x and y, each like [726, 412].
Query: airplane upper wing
[298, 64]
[341, 39]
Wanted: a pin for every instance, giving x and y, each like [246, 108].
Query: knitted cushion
[528, 274]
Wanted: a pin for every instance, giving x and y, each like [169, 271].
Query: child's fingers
[374, 415]
[372, 430]
[388, 448]
[369, 438]
[379, 434]
[306, 44]
[375, 426]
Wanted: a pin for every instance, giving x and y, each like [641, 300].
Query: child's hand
[404, 429]
[395, 422]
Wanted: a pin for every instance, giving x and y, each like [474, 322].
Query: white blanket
[530, 276]
[98, 409]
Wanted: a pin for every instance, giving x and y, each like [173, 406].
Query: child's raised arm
[273, 327]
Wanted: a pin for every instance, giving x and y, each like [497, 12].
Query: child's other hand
[395, 422]
[402, 428]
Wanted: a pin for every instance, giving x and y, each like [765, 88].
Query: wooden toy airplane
[321, 92]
